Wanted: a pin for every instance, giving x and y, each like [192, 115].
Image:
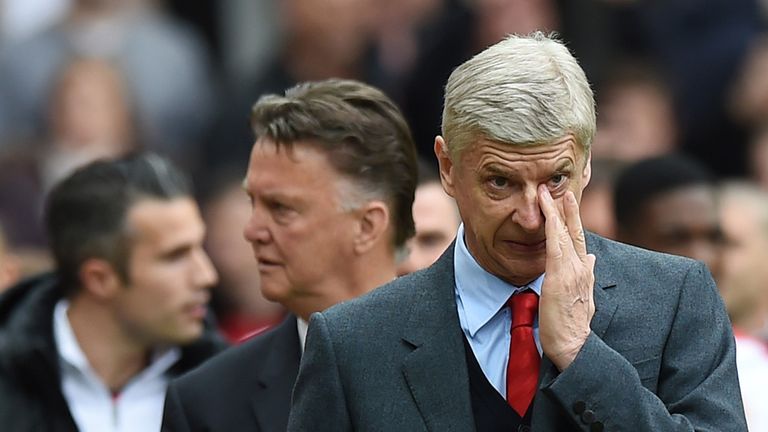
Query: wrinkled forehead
[565, 147]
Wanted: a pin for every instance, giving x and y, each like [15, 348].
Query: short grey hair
[524, 91]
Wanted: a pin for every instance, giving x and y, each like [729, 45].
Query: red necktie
[524, 358]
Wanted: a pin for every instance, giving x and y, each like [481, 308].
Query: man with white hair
[526, 322]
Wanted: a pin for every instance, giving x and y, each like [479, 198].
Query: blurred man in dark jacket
[92, 348]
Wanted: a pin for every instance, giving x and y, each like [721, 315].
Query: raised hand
[567, 303]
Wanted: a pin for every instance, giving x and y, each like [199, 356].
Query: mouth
[266, 263]
[527, 246]
[197, 311]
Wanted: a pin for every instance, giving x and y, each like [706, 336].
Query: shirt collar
[66, 342]
[481, 293]
[302, 326]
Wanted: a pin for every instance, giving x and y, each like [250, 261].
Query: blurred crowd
[682, 102]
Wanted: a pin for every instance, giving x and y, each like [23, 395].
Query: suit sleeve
[319, 402]
[174, 419]
[697, 389]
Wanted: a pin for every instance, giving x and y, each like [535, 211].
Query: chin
[188, 335]
[521, 271]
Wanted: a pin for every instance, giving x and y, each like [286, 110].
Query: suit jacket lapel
[436, 369]
[275, 376]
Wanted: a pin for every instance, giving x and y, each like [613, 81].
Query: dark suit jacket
[246, 388]
[660, 356]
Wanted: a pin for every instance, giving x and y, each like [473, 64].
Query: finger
[573, 222]
[553, 226]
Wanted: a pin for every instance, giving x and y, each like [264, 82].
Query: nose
[256, 230]
[527, 213]
[205, 274]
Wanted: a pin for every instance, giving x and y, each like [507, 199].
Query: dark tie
[524, 358]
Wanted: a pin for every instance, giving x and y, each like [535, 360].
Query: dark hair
[644, 180]
[359, 128]
[86, 212]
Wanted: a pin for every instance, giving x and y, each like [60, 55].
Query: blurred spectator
[92, 348]
[90, 118]
[249, 34]
[240, 307]
[636, 118]
[397, 28]
[749, 95]
[596, 206]
[758, 156]
[700, 47]
[9, 265]
[437, 219]
[163, 62]
[669, 204]
[320, 39]
[744, 214]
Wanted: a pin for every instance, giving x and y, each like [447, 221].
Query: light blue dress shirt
[481, 302]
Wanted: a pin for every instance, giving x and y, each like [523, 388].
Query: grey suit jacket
[660, 357]
[246, 388]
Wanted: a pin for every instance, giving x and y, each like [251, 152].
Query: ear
[373, 226]
[586, 173]
[99, 279]
[446, 165]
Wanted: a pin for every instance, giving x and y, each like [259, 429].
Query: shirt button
[579, 407]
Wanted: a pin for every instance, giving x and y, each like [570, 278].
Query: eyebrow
[564, 164]
[500, 170]
[496, 169]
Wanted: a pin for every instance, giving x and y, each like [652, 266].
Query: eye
[281, 212]
[177, 254]
[557, 180]
[279, 207]
[498, 182]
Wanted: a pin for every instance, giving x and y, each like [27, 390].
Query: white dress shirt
[302, 327]
[138, 406]
[481, 302]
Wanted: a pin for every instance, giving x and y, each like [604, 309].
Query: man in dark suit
[331, 180]
[526, 322]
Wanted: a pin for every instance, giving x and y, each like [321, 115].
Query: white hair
[524, 90]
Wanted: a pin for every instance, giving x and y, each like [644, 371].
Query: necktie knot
[524, 307]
